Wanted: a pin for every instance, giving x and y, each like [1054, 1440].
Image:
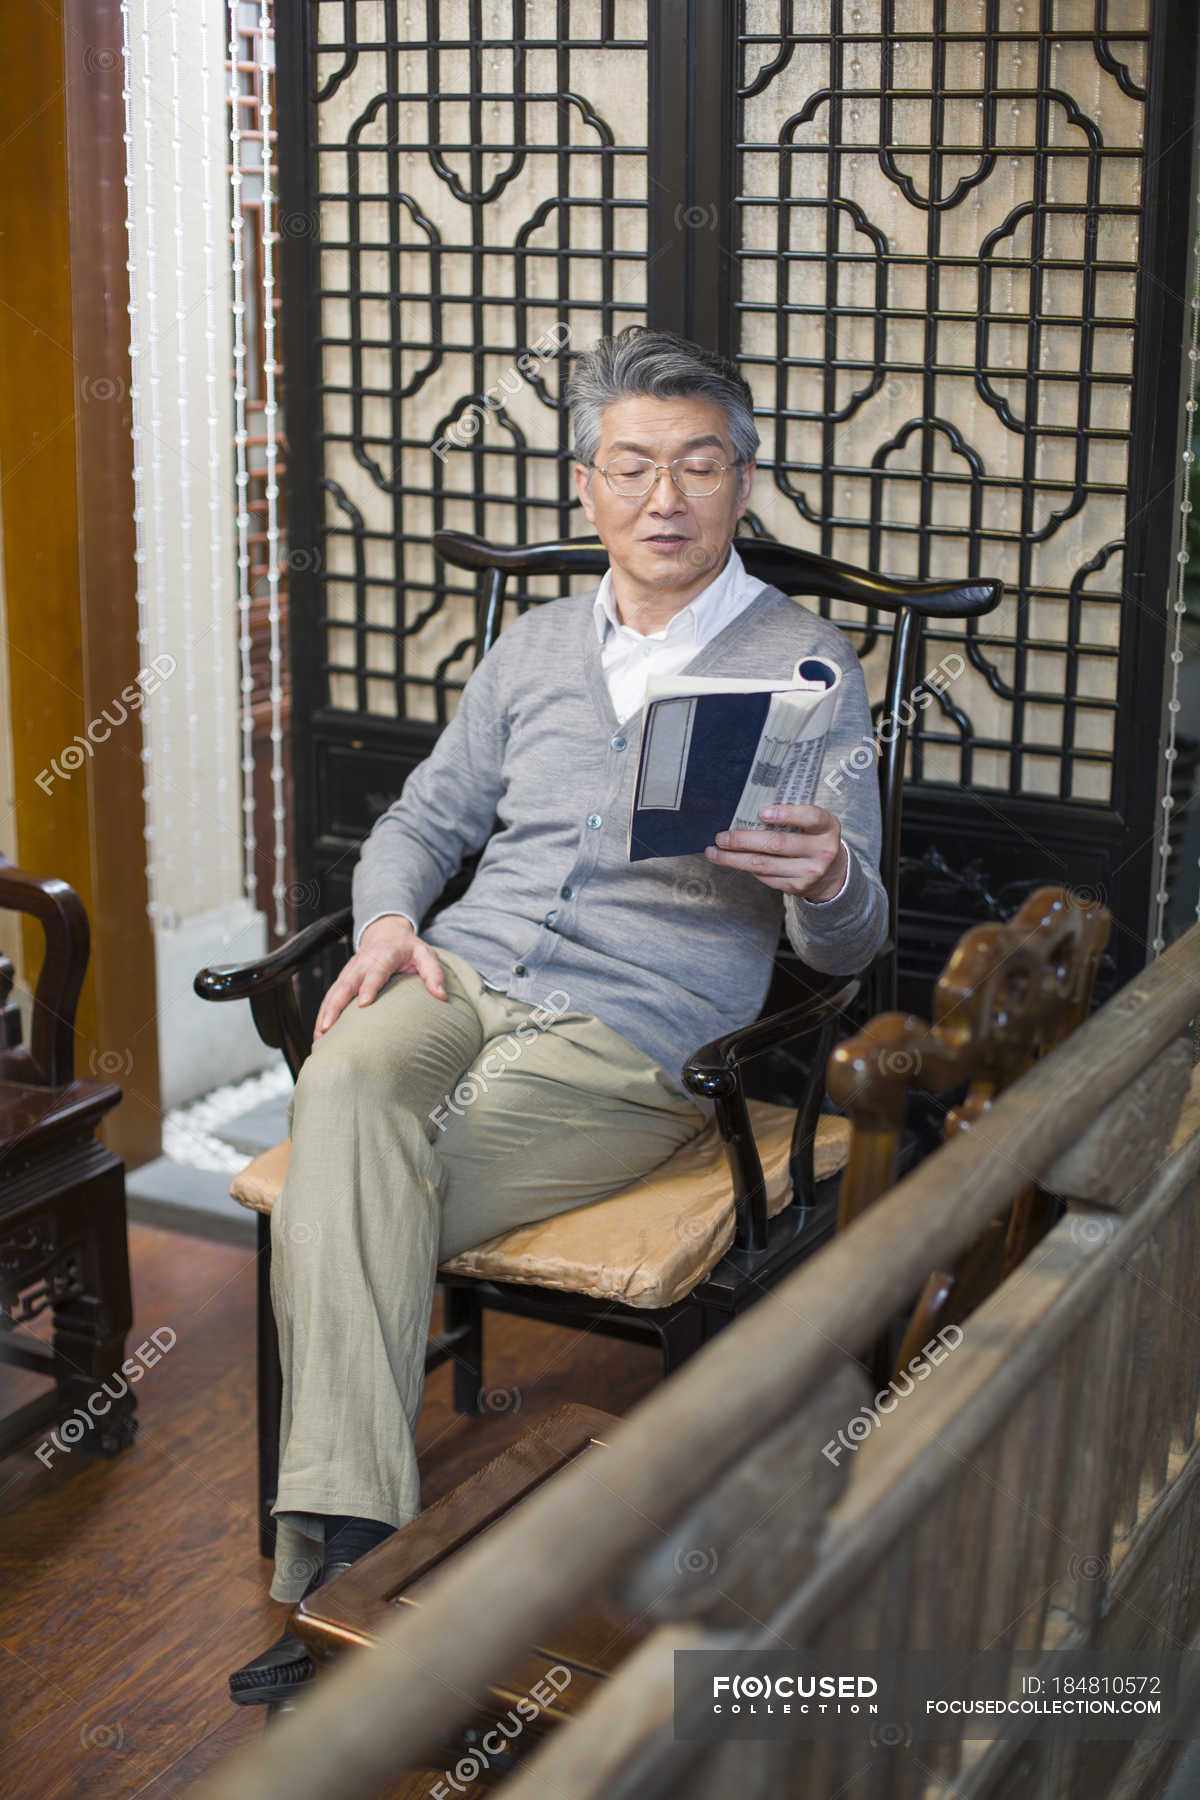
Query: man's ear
[745, 483]
[583, 487]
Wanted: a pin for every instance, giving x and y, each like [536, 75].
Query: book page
[791, 751]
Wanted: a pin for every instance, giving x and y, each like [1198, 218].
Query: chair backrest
[796, 572]
[50, 1059]
[1008, 994]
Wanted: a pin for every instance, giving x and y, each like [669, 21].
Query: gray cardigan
[669, 952]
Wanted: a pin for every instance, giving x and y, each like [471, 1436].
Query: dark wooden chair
[756, 1192]
[63, 1241]
[1008, 994]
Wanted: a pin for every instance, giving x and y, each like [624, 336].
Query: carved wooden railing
[1039, 1492]
[1010, 992]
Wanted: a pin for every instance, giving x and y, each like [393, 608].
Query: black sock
[348, 1538]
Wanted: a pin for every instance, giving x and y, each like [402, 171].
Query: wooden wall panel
[66, 492]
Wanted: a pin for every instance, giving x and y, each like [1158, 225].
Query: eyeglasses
[694, 476]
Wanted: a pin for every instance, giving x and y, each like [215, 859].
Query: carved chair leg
[461, 1306]
[270, 1393]
[90, 1329]
[682, 1336]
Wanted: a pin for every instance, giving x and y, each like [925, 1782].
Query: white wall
[183, 327]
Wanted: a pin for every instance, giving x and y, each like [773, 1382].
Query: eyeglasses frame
[657, 468]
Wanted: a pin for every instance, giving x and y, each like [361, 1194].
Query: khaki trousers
[420, 1127]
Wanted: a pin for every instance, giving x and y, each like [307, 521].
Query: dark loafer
[279, 1671]
[282, 1669]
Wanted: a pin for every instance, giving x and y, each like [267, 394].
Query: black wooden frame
[63, 1237]
[764, 1249]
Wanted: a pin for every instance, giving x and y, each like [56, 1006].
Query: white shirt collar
[696, 618]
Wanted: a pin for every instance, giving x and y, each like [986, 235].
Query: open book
[715, 750]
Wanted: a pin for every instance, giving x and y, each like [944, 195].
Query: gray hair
[662, 366]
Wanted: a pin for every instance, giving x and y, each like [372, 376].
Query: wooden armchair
[1008, 995]
[63, 1242]
[675, 1257]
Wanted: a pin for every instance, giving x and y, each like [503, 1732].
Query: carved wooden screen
[936, 234]
[936, 243]
[482, 205]
[945, 239]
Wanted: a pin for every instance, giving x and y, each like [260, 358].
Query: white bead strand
[265, 68]
[138, 437]
[214, 637]
[241, 476]
[1179, 608]
[195, 782]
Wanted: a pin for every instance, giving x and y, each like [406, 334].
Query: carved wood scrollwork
[35, 1273]
[1008, 994]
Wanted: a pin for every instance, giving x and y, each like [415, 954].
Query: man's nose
[664, 496]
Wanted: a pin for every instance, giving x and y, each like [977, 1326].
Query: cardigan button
[620, 743]
[519, 969]
[566, 892]
[594, 821]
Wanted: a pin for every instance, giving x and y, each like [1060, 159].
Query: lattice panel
[936, 261]
[482, 177]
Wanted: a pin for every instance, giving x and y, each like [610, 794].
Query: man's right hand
[388, 946]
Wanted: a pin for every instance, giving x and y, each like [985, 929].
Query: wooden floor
[130, 1588]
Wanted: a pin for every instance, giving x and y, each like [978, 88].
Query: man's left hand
[802, 853]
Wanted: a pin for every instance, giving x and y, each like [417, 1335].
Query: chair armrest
[51, 1055]
[715, 1070]
[241, 981]
[269, 984]
[715, 1073]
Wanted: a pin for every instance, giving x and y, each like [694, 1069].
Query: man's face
[663, 542]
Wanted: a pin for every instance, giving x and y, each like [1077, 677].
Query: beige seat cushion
[646, 1246]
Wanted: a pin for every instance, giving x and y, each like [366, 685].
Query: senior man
[522, 1054]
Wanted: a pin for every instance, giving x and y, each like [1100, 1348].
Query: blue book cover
[714, 751]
